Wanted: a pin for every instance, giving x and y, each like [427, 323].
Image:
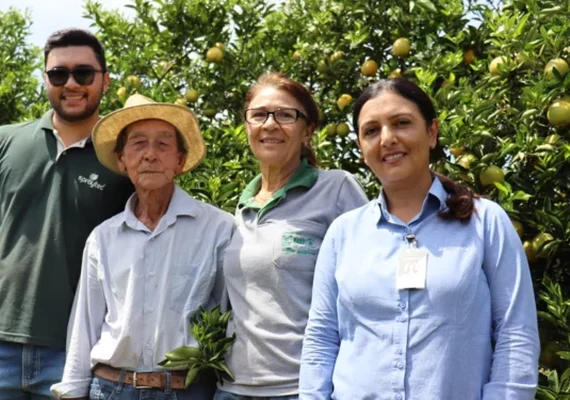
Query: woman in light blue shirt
[424, 293]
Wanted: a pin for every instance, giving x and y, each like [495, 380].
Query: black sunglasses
[84, 75]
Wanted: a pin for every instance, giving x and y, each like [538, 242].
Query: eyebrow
[264, 108]
[76, 66]
[401, 114]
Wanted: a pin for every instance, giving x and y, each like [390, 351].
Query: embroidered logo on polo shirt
[91, 181]
[298, 243]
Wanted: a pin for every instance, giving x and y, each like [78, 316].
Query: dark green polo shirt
[48, 207]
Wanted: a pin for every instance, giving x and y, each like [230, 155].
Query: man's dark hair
[75, 37]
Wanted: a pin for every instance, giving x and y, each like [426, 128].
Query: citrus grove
[499, 75]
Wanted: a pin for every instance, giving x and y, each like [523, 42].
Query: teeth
[394, 156]
[271, 141]
[73, 97]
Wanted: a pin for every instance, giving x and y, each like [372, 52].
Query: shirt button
[399, 351]
[398, 396]
[150, 309]
[151, 273]
[400, 365]
[401, 319]
[402, 305]
[149, 346]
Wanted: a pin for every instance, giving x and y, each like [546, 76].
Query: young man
[53, 192]
[148, 270]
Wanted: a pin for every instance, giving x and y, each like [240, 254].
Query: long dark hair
[300, 93]
[460, 204]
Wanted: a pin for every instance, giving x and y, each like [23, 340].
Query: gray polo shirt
[269, 268]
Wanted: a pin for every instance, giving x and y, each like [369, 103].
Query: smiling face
[395, 140]
[73, 102]
[274, 144]
[151, 157]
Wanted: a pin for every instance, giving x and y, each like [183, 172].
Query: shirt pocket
[183, 287]
[296, 244]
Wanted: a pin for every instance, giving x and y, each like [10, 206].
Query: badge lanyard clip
[411, 240]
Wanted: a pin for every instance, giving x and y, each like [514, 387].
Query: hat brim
[107, 129]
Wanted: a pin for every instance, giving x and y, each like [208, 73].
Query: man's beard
[91, 108]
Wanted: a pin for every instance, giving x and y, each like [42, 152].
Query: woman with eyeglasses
[282, 217]
[424, 293]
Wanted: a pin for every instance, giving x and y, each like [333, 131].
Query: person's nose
[270, 121]
[150, 152]
[387, 136]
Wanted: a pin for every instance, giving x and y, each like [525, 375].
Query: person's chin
[149, 182]
[270, 157]
[393, 175]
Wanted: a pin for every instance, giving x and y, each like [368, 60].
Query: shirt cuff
[70, 390]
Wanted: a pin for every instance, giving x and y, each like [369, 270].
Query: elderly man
[147, 270]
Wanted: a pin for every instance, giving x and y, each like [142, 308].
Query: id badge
[412, 267]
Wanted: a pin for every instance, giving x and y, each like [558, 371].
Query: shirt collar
[46, 123]
[181, 204]
[305, 175]
[436, 192]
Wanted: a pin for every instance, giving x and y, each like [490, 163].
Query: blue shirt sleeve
[321, 342]
[514, 370]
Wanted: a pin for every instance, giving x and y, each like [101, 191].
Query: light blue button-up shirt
[139, 288]
[470, 334]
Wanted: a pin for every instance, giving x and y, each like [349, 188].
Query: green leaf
[191, 375]
[183, 353]
[427, 4]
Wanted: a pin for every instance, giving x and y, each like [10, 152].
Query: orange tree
[499, 77]
[20, 97]
[206, 53]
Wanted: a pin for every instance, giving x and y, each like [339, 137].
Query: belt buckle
[135, 383]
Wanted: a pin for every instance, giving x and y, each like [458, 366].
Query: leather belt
[143, 380]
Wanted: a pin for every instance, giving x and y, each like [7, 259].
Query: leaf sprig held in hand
[209, 330]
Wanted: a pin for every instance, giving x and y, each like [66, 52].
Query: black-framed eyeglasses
[283, 116]
[83, 75]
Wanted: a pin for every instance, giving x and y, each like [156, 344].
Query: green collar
[46, 121]
[306, 175]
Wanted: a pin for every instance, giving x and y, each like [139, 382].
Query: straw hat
[138, 108]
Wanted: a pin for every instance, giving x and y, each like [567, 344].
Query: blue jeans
[221, 395]
[103, 389]
[27, 371]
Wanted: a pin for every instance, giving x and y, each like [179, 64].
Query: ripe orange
[559, 113]
[342, 129]
[401, 47]
[369, 68]
[214, 54]
[343, 101]
[491, 175]
[561, 66]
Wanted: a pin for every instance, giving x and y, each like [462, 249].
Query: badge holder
[412, 266]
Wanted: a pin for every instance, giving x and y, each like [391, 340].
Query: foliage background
[498, 120]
